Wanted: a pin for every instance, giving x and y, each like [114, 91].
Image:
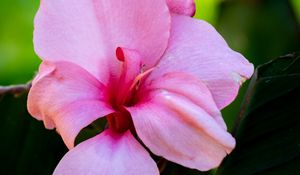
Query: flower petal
[182, 7]
[88, 32]
[67, 97]
[108, 154]
[195, 47]
[190, 87]
[174, 127]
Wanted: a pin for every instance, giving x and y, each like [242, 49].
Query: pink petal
[67, 97]
[88, 32]
[182, 7]
[196, 48]
[108, 154]
[190, 87]
[174, 127]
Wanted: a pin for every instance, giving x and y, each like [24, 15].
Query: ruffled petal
[174, 127]
[196, 48]
[182, 7]
[190, 87]
[88, 32]
[108, 154]
[68, 98]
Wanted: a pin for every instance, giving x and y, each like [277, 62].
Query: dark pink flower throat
[123, 90]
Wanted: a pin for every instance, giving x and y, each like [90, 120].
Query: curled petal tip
[239, 79]
[120, 54]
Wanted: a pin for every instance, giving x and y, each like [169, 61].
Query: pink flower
[155, 74]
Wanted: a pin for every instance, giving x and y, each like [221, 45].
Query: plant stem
[15, 89]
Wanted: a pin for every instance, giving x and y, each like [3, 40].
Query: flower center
[120, 121]
[123, 90]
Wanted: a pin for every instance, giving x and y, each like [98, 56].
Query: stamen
[139, 77]
[130, 76]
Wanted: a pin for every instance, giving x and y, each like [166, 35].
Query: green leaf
[26, 146]
[268, 130]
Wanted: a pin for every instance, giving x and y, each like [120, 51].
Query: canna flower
[158, 76]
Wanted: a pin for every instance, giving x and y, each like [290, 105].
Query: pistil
[125, 88]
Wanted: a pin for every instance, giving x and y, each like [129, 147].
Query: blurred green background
[259, 29]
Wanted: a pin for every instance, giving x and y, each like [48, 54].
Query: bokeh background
[259, 29]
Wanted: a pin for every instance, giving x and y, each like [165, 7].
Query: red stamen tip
[120, 54]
